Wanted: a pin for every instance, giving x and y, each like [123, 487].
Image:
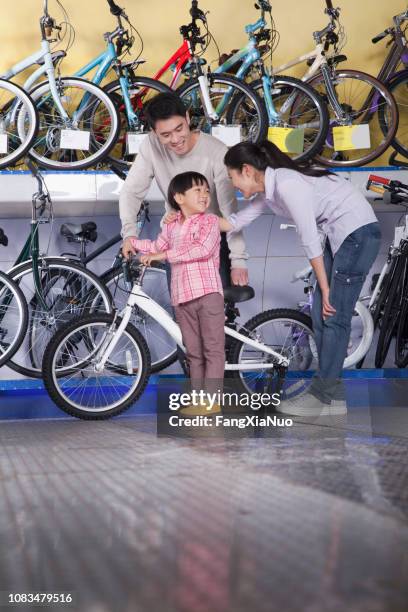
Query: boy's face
[174, 133]
[194, 200]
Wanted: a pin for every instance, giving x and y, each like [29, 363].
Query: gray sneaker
[309, 405]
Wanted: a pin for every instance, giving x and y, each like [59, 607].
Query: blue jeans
[346, 272]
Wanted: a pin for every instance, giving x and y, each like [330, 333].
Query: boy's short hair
[183, 182]
[164, 106]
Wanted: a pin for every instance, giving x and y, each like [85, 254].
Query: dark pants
[346, 272]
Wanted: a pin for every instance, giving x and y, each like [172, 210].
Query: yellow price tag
[348, 137]
[288, 140]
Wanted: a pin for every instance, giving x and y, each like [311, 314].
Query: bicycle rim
[13, 318]
[14, 102]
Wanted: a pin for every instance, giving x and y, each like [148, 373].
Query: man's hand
[239, 276]
[169, 217]
[146, 260]
[327, 308]
[127, 247]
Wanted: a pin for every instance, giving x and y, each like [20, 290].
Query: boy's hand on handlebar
[146, 260]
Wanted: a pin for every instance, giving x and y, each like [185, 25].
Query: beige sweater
[155, 161]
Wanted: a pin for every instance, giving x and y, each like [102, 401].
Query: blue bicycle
[291, 104]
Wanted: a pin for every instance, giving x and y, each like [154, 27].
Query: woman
[316, 201]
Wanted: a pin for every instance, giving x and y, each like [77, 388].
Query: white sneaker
[309, 405]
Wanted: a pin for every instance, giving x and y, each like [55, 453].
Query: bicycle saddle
[235, 294]
[85, 231]
[56, 56]
[3, 238]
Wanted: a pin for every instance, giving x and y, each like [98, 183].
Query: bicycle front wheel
[78, 386]
[68, 291]
[364, 100]
[162, 347]
[226, 93]
[15, 103]
[289, 333]
[141, 90]
[13, 318]
[399, 89]
[299, 106]
[82, 140]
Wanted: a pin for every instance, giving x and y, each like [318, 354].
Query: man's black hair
[164, 106]
[182, 183]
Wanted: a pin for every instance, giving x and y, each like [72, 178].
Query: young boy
[191, 244]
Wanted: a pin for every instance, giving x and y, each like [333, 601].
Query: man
[169, 149]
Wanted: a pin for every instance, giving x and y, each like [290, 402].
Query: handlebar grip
[329, 4]
[378, 179]
[114, 8]
[379, 37]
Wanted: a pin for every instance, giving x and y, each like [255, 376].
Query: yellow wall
[158, 22]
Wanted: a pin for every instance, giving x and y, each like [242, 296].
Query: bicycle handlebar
[329, 5]
[380, 36]
[392, 192]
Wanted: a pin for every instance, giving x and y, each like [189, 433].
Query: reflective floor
[312, 517]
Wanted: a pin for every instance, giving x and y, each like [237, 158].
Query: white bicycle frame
[317, 54]
[139, 298]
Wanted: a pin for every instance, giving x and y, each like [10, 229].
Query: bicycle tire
[10, 293]
[389, 319]
[401, 135]
[282, 83]
[65, 305]
[140, 319]
[54, 376]
[387, 129]
[118, 154]
[401, 341]
[303, 352]
[23, 141]
[363, 347]
[46, 150]
[258, 126]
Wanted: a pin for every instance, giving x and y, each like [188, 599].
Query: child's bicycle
[97, 366]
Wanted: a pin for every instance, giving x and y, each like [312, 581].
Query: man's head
[168, 117]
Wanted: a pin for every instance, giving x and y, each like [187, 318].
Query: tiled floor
[309, 518]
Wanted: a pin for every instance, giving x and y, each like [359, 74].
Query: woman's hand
[327, 309]
[169, 217]
[146, 260]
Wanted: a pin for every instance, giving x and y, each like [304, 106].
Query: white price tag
[228, 134]
[75, 139]
[3, 143]
[134, 140]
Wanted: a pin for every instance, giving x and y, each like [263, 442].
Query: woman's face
[248, 180]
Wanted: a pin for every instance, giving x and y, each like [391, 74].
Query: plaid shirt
[193, 249]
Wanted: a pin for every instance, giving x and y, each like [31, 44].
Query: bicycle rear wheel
[15, 102]
[365, 100]
[249, 110]
[289, 333]
[69, 291]
[91, 113]
[77, 386]
[13, 318]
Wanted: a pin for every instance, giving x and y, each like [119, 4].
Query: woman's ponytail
[265, 154]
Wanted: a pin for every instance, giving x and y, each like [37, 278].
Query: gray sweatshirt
[155, 161]
[328, 204]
